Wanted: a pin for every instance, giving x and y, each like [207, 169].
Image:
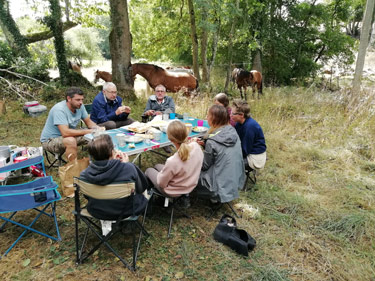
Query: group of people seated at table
[212, 166]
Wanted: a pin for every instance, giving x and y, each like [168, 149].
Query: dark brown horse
[75, 66]
[173, 82]
[106, 76]
[245, 78]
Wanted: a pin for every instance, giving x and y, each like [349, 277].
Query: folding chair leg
[170, 222]
[234, 212]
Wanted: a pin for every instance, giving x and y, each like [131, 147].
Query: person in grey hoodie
[222, 173]
[109, 167]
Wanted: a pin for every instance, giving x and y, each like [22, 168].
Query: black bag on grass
[227, 233]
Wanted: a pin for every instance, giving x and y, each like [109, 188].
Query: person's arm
[141, 183]
[209, 155]
[248, 141]
[67, 132]
[89, 123]
[166, 174]
[171, 105]
[148, 106]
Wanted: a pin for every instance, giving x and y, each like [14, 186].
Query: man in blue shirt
[251, 134]
[159, 103]
[107, 109]
[59, 133]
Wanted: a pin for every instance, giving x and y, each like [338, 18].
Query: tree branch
[35, 37]
[22, 75]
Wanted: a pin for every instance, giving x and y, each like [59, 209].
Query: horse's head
[133, 71]
[97, 76]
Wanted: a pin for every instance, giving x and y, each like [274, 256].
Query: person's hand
[127, 109]
[122, 156]
[150, 112]
[158, 113]
[198, 141]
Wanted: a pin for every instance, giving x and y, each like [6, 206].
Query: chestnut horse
[106, 76]
[245, 78]
[173, 82]
[75, 66]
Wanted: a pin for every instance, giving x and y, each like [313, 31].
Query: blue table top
[142, 146]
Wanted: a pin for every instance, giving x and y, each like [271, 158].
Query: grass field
[315, 201]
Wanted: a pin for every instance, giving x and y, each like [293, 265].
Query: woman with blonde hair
[179, 175]
[222, 172]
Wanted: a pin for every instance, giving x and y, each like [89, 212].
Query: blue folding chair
[39, 195]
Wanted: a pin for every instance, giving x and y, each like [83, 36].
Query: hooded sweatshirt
[223, 171]
[114, 171]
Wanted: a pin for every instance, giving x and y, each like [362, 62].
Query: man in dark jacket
[107, 109]
[159, 103]
[251, 134]
[109, 167]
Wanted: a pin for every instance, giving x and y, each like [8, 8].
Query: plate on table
[137, 127]
[133, 139]
[197, 129]
[159, 123]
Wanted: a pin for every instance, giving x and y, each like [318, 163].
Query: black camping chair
[174, 203]
[54, 159]
[107, 193]
[250, 175]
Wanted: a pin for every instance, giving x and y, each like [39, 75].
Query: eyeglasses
[160, 91]
[235, 113]
[111, 92]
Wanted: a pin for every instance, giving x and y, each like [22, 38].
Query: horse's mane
[154, 65]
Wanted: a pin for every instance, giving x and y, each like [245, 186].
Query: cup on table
[145, 118]
[165, 116]
[121, 140]
[157, 135]
[200, 123]
[172, 116]
[186, 116]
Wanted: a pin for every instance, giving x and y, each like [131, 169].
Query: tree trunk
[194, 39]
[257, 61]
[55, 24]
[121, 46]
[230, 48]
[12, 34]
[204, 42]
[363, 46]
[215, 40]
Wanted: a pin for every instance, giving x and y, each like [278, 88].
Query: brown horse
[245, 78]
[173, 82]
[106, 76]
[76, 67]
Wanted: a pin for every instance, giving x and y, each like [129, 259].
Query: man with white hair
[107, 109]
[159, 103]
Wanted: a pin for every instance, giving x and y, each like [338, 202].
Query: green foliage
[83, 43]
[6, 55]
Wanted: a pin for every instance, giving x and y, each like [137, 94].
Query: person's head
[160, 92]
[178, 134]
[217, 117]
[110, 91]
[240, 111]
[101, 147]
[221, 99]
[74, 97]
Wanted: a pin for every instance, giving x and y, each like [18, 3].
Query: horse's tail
[197, 84]
[261, 84]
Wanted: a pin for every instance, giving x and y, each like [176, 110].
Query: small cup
[200, 123]
[157, 136]
[121, 140]
[147, 141]
[165, 116]
[186, 116]
[172, 116]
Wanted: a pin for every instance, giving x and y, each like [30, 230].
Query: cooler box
[37, 110]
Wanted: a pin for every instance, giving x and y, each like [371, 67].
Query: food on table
[133, 139]
[131, 145]
[199, 129]
[137, 127]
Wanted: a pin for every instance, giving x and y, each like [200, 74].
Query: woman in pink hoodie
[179, 175]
